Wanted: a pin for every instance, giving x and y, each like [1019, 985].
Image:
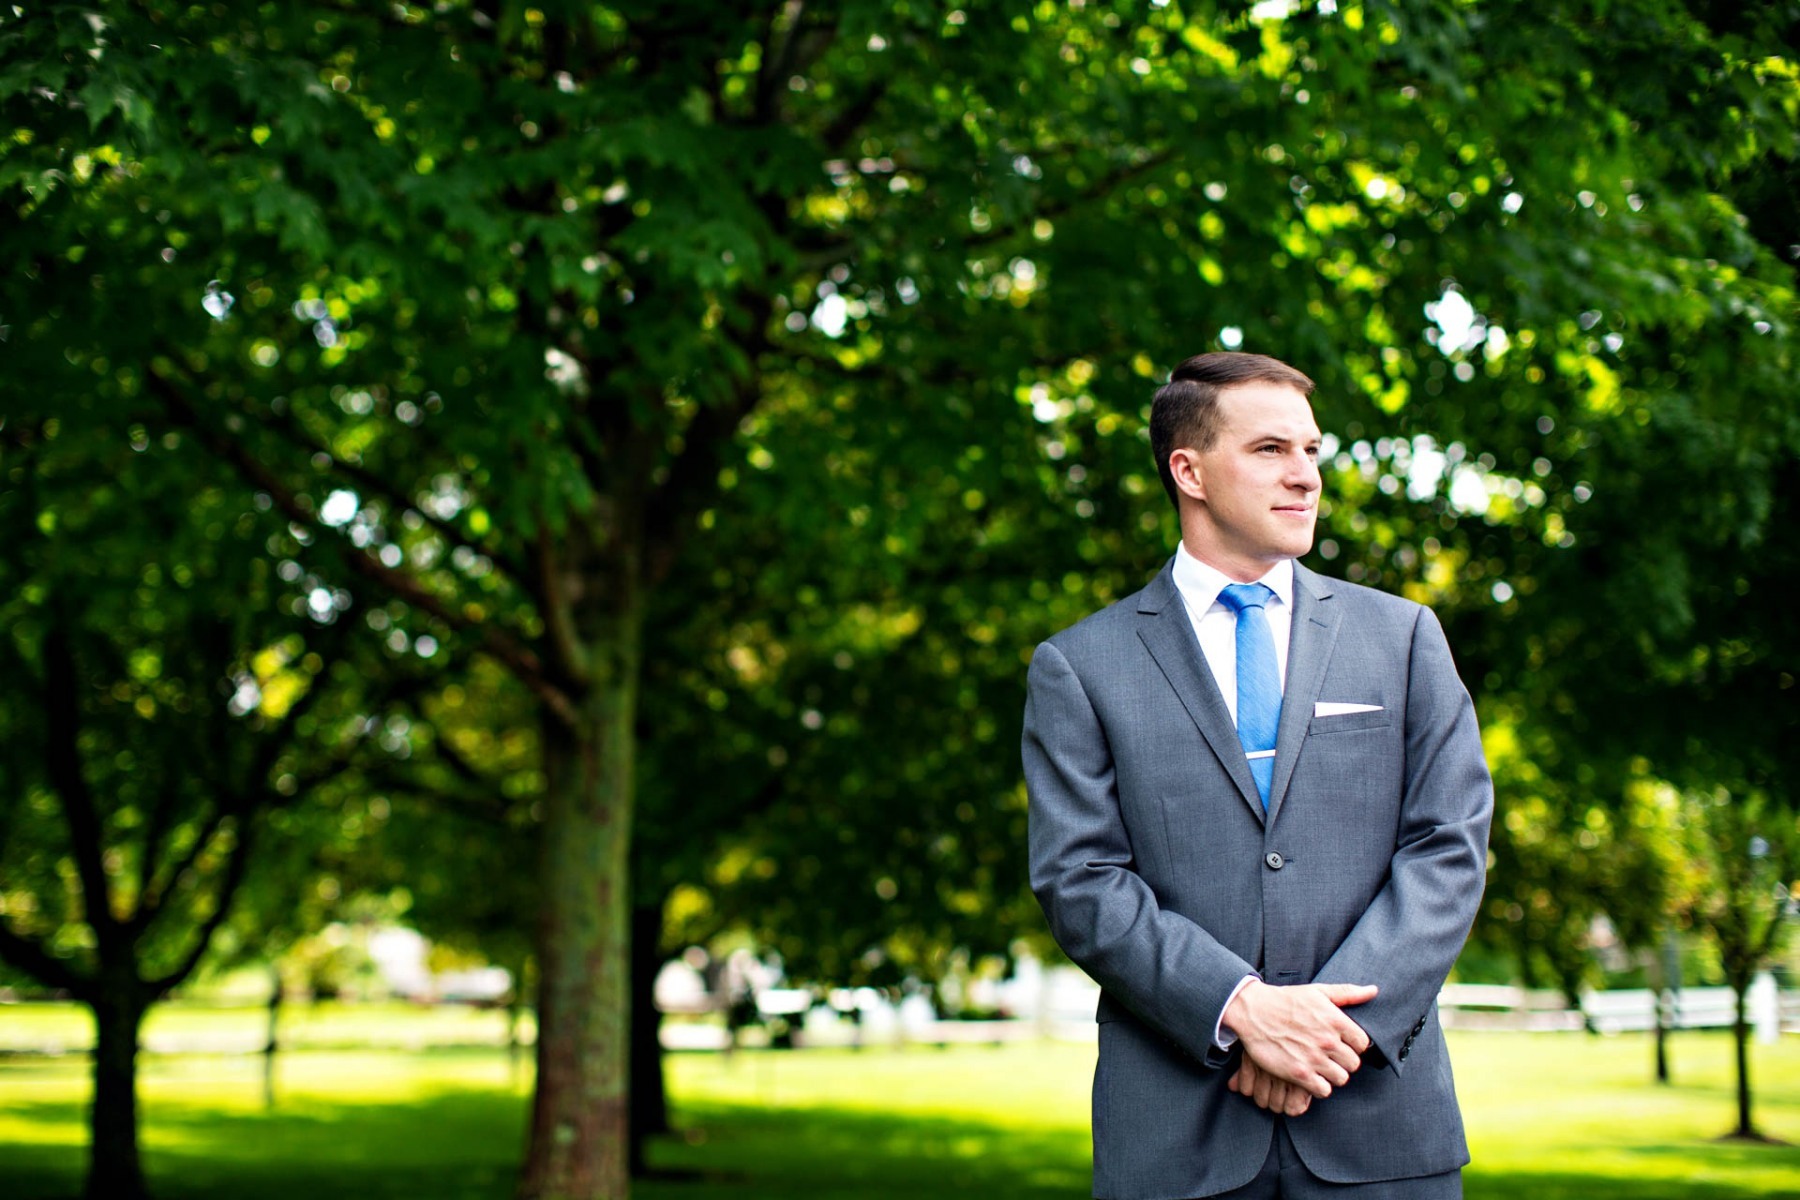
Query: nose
[1303, 472]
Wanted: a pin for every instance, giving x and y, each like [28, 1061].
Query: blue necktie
[1258, 682]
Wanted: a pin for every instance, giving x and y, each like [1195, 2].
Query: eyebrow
[1259, 439]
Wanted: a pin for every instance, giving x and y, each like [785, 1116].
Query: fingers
[1324, 1059]
[1353, 1039]
[1279, 1094]
[1268, 1092]
[1243, 1080]
[1258, 1086]
[1299, 1043]
[1342, 994]
[1345, 995]
[1345, 1060]
[1335, 1064]
[1301, 1092]
[1264, 1090]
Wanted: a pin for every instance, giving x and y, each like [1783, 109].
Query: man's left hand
[1266, 1091]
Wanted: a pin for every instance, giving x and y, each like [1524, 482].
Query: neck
[1234, 568]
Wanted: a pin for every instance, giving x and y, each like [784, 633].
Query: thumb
[1345, 994]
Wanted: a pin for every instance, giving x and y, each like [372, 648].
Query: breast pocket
[1350, 722]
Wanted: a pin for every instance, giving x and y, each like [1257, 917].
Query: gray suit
[1162, 878]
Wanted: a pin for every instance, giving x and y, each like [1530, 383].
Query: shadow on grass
[459, 1146]
[830, 1154]
[1576, 1186]
[466, 1145]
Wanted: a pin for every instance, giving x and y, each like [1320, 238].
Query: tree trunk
[273, 1044]
[115, 1171]
[1668, 999]
[1660, 1000]
[578, 1145]
[515, 1012]
[1740, 1032]
[1660, 1013]
[649, 1098]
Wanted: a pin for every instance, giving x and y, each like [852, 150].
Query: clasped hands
[1298, 1044]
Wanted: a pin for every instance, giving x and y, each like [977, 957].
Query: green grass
[238, 1028]
[1566, 1115]
[1551, 1117]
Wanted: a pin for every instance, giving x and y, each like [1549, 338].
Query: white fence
[1480, 1006]
[1060, 1001]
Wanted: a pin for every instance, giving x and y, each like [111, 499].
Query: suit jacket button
[1275, 861]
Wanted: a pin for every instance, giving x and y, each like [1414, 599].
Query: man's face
[1258, 482]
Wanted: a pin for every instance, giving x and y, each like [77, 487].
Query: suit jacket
[1162, 877]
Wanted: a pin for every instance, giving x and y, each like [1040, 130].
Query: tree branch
[777, 56]
[62, 679]
[243, 812]
[1098, 190]
[559, 622]
[480, 809]
[275, 741]
[694, 474]
[1765, 945]
[155, 898]
[521, 660]
[156, 829]
[217, 645]
[845, 125]
[370, 482]
[235, 802]
[28, 955]
[460, 766]
[315, 779]
[235, 869]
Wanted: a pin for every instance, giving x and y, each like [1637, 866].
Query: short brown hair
[1185, 412]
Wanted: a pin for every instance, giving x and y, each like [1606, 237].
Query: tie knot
[1239, 596]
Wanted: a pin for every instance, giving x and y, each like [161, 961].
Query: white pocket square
[1335, 708]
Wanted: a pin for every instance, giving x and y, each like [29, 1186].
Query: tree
[1631, 637]
[523, 294]
[1746, 852]
[171, 699]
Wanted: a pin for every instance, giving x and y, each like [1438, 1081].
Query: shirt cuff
[1224, 1038]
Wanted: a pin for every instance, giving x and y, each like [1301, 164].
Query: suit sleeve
[1169, 971]
[1408, 938]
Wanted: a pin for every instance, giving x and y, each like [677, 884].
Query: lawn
[182, 1027]
[1551, 1117]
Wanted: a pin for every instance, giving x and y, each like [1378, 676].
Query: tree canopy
[753, 386]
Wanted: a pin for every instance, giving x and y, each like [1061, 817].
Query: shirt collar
[1200, 584]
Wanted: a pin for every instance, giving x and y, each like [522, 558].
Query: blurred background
[522, 528]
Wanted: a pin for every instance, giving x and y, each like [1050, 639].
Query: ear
[1184, 465]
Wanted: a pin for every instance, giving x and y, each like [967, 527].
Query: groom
[1259, 818]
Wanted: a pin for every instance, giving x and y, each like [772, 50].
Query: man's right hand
[1299, 1034]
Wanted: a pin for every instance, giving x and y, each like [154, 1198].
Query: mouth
[1296, 510]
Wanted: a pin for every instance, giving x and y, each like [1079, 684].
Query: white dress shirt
[1215, 625]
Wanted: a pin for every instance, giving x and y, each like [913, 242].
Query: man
[1259, 817]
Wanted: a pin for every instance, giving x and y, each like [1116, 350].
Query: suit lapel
[1168, 634]
[1311, 637]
